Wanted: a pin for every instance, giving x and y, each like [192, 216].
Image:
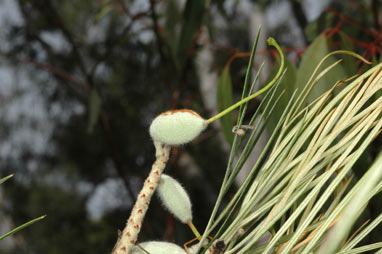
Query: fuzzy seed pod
[156, 247]
[175, 198]
[177, 127]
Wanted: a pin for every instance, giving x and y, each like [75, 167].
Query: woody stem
[129, 235]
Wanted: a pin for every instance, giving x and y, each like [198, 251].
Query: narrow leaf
[192, 16]
[106, 9]
[342, 228]
[2, 180]
[21, 227]
[173, 14]
[349, 63]
[286, 87]
[224, 100]
[94, 109]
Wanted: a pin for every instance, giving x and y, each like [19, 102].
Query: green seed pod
[156, 247]
[177, 127]
[175, 198]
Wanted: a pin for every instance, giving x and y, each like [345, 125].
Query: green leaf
[286, 85]
[21, 227]
[349, 62]
[2, 180]
[224, 100]
[106, 9]
[339, 233]
[172, 25]
[94, 109]
[314, 28]
[192, 16]
[314, 54]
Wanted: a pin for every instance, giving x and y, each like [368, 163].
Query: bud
[157, 247]
[175, 198]
[177, 127]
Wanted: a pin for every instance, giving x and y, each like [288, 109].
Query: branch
[83, 98]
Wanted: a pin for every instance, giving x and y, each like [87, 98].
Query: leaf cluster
[301, 188]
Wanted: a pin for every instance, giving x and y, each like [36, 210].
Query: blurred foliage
[224, 98]
[111, 66]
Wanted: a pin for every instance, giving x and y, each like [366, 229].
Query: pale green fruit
[156, 247]
[177, 127]
[175, 198]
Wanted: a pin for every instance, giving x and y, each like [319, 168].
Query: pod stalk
[271, 42]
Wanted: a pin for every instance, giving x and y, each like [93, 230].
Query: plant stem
[271, 42]
[129, 236]
[194, 230]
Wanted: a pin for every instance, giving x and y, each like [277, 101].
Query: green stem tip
[194, 230]
[271, 42]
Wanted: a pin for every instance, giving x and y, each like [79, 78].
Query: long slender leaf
[192, 17]
[94, 109]
[341, 230]
[21, 227]
[2, 180]
[224, 100]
